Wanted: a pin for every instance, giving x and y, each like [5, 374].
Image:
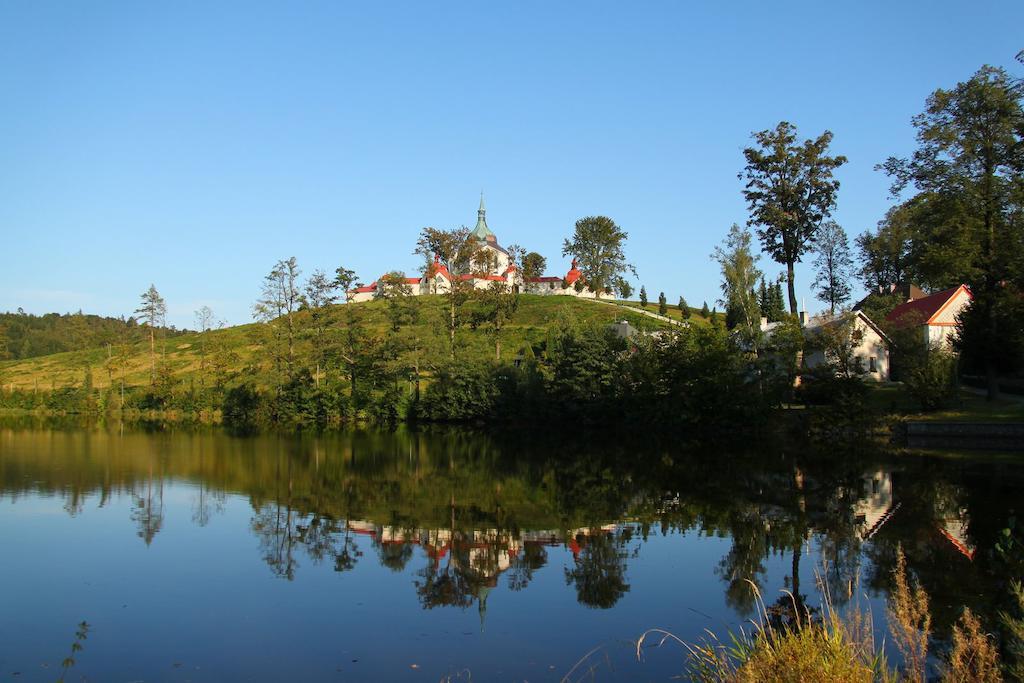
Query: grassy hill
[535, 317]
[673, 311]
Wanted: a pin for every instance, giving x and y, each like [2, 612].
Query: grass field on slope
[537, 315]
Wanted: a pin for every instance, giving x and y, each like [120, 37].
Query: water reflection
[466, 513]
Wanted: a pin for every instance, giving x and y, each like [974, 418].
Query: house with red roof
[935, 314]
[438, 280]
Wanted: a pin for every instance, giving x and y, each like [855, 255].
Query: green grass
[537, 315]
[673, 311]
[972, 407]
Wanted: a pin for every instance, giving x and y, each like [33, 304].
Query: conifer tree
[684, 310]
[643, 296]
[704, 312]
[152, 312]
[662, 304]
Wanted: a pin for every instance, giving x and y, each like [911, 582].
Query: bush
[461, 391]
[931, 380]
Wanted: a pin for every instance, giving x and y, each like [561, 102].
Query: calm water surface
[196, 555]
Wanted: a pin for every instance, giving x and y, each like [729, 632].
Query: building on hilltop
[502, 269]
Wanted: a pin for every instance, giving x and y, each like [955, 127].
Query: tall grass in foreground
[828, 646]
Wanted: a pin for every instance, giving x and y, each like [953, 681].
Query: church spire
[481, 231]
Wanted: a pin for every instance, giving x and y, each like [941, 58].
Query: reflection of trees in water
[599, 570]
[148, 512]
[745, 560]
[309, 492]
[522, 566]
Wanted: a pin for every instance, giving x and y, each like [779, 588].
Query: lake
[449, 554]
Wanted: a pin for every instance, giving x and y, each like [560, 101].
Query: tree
[598, 246]
[704, 312]
[684, 309]
[739, 274]
[970, 157]
[789, 191]
[884, 256]
[319, 294]
[833, 265]
[152, 312]
[454, 255]
[204, 321]
[643, 296]
[499, 305]
[662, 304]
[277, 307]
[533, 267]
[625, 289]
[344, 280]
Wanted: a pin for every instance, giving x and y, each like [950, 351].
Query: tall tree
[643, 296]
[598, 245]
[833, 266]
[884, 255]
[499, 305]
[971, 153]
[318, 295]
[152, 312]
[739, 276]
[205, 320]
[459, 258]
[789, 190]
[277, 306]
[662, 304]
[344, 280]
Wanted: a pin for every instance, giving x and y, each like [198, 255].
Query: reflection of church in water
[465, 566]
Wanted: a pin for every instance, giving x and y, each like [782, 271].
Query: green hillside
[533, 320]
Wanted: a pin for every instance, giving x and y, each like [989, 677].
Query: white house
[935, 314]
[869, 344]
[437, 280]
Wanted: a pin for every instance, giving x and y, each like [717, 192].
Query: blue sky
[193, 144]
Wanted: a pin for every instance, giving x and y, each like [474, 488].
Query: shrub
[931, 380]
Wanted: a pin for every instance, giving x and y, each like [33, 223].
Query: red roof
[372, 287]
[921, 311]
[545, 279]
[574, 273]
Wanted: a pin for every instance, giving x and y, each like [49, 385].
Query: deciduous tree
[598, 245]
[456, 255]
[833, 266]
[789, 191]
[970, 155]
[277, 306]
[739, 276]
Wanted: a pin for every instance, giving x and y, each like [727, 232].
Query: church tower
[481, 231]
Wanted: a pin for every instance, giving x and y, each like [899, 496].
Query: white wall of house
[870, 349]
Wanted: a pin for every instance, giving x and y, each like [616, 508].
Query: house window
[551, 285]
[872, 366]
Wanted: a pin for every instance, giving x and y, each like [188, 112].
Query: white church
[503, 270]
